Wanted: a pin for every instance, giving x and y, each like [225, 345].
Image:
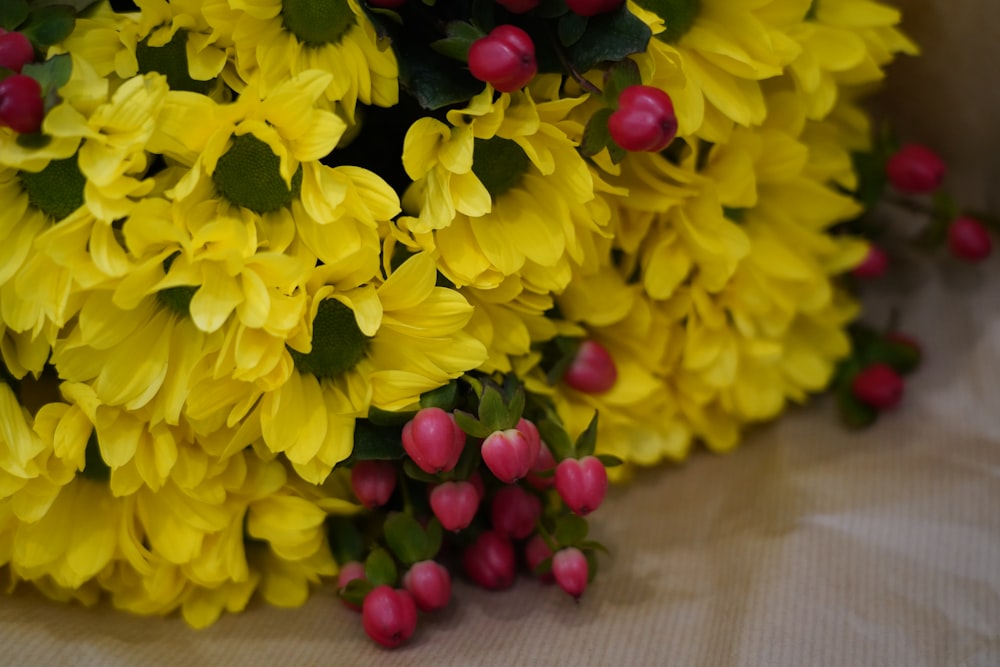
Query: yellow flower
[711, 55]
[275, 39]
[502, 190]
[367, 345]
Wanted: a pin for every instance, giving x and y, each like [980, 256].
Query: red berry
[514, 512]
[509, 454]
[593, 370]
[454, 504]
[535, 551]
[582, 483]
[21, 105]
[430, 585]
[389, 615]
[490, 561]
[373, 482]
[915, 169]
[519, 6]
[644, 120]
[879, 386]
[969, 240]
[433, 440]
[873, 265]
[544, 462]
[593, 7]
[16, 51]
[569, 567]
[505, 58]
[349, 572]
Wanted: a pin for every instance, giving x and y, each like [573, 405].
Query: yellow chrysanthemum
[170, 37]
[376, 345]
[711, 55]
[502, 190]
[275, 39]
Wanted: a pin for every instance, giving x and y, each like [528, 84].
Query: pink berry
[514, 512]
[879, 386]
[16, 51]
[544, 463]
[569, 567]
[389, 615]
[454, 504]
[373, 482]
[915, 169]
[644, 120]
[969, 240]
[537, 550]
[433, 440]
[582, 483]
[505, 58]
[21, 104]
[349, 572]
[490, 561]
[593, 371]
[509, 454]
[873, 265]
[593, 7]
[430, 585]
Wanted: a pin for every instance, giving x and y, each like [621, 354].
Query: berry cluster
[473, 483]
[21, 103]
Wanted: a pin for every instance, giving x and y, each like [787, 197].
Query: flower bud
[569, 567]
[509, 454]
[514, 512]
[593, 370]
[373, 482]
[430, 585]
[879, 386]
[915, 169]
[490, 561]
[433, 440]
[582, 483]
[454, 504]
[969, 240]
[537, 550]
[389, 615]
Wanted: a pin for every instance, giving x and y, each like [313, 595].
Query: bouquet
[381, 289]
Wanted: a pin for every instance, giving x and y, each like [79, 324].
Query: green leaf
[556, 438]
[461, 35]
[587, 441]
[13, 13]
[591, 565]
[622, 74]
[49, 25]
[609, 461]
[468, 462]
[345, 540]
[443, 397]
[560, 353]
[609, 37]
[616, 152]
[375, 443]
[434, 534]
[550, 9]
[51, 74]
[544, 567]
[471, 425]
[380, 568]
[413, 471]
[595, 137]
[515, 405]
[492, 410]
[678, 16]
[591, 545]
[406, 538]
[570, 530]
[434, 80]
[853, 412]
[571, 28]
[356, 591]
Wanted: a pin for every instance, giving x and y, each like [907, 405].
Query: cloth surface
[809, 545]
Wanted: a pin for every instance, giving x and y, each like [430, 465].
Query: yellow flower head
[502, 190]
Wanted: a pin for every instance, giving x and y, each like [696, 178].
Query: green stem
[584, 83]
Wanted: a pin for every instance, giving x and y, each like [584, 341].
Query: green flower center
[171, 61]
[337, 342]
[249, 175]
[499, 164]
[177, 299]
[56, 190]
[317, 22]
[678, 16]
